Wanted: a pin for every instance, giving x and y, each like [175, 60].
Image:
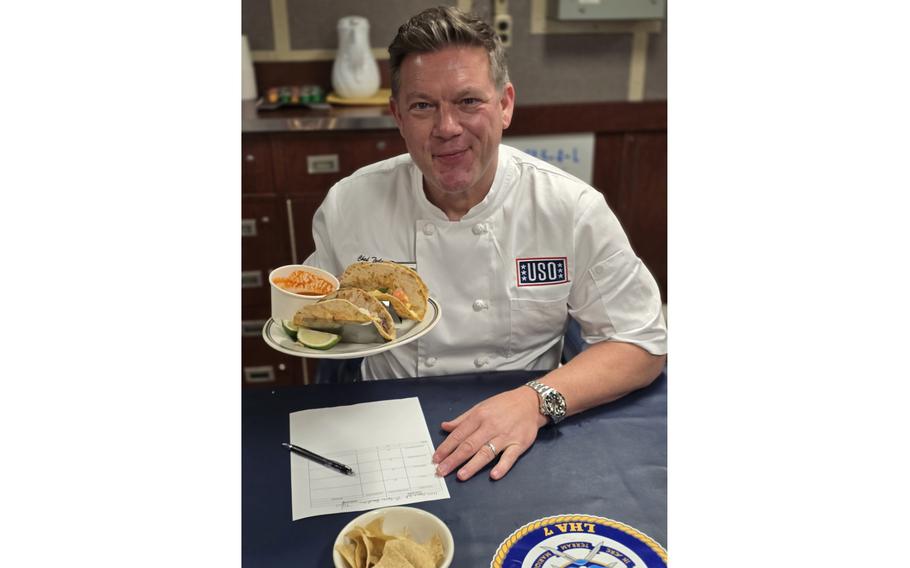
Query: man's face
[452, 117]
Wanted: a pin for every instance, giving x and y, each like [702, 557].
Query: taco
[346, 306]
[392, 282]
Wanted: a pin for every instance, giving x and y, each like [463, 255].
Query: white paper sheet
[386, 443]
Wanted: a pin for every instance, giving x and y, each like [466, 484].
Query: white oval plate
[277, 339]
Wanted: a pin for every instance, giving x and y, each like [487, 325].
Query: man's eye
[421, 106]
[470, 101]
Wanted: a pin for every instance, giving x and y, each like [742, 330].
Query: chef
[508, 245]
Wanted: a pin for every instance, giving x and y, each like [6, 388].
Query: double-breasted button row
[478, 229]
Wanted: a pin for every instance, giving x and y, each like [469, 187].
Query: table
[610, 461]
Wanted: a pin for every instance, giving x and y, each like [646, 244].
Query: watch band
[552, 403]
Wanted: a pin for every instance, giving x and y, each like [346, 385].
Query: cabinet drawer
[262, 365]
[265, 241]
[312, 163]
[256, 159]
[254, 288]
[265, 367]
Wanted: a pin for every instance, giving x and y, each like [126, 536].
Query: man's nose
[447, 123]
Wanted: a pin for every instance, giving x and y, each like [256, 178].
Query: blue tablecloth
[610, 462]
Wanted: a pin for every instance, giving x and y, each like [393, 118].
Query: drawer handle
[251, 279]
[250, 158]
[261, 374]
[322, 164]
[252, 328]
[248, 228]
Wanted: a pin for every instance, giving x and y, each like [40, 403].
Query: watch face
[556, 405]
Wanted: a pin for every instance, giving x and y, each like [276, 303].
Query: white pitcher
[248, 75]
[355, 72]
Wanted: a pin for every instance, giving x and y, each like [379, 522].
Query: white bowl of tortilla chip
[394, 537]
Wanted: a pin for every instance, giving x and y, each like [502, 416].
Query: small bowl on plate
[285, 303]
[420, 526]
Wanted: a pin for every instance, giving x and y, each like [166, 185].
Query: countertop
[601, 117]
[321, 119]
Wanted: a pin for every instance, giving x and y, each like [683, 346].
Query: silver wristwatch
[552, 403]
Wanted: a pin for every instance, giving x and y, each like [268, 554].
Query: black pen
[319, 459]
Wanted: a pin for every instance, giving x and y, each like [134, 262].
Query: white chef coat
[500, 310]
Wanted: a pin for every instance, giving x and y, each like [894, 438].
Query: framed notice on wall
[573, 153]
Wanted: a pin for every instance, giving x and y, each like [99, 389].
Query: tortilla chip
[377, 544]
[374, 528]
[368, 552]
[436, 549]
[347, 551]
[415, 554]
[394, 560]
[373, 548]
[360, 554]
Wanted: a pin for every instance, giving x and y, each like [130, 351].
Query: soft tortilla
[331, 314]
[358, 297]
[377, 276]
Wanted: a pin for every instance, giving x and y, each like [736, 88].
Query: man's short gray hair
[444, 26]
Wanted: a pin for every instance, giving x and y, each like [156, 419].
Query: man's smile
[447, 156]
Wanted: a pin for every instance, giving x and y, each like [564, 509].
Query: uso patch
[541, 271]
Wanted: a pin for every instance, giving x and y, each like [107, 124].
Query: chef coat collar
[501, 180]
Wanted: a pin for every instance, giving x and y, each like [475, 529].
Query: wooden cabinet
[264, 247]
[631, 172]
[265, 244]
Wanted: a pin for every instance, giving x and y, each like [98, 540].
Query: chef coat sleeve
[614, 296]
[324, 221]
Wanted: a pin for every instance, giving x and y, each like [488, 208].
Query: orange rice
[304, 283]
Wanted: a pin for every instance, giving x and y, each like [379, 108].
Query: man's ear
[507, 101]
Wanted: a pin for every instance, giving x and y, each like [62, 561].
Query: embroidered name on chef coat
[541, 271]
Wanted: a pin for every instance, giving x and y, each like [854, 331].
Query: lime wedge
[317, 339]
[290, 329]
